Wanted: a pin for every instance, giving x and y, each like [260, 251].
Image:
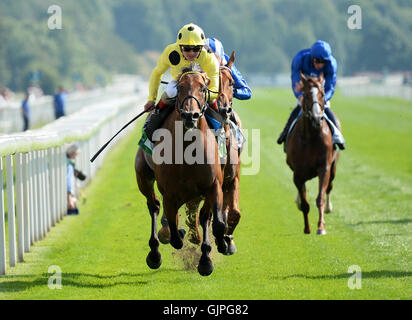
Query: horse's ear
[231, 60]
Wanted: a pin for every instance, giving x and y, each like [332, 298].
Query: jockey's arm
[158, 71]
[330, 79]
[295, 74]
[241, 89]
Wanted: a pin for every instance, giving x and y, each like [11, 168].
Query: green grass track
[102, 251]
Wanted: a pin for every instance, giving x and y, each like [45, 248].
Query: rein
[308, 113]
[202, 107]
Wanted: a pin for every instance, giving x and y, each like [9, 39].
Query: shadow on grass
[365, 275]
[15, 283]
[401, 221]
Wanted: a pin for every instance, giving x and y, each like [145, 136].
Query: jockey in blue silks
[241, 89]
[312, 62]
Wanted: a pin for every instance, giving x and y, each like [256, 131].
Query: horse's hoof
[231, 248]
[205, 268]
[164, 235]
[182, 233]
[222, 247]
[177, 243]
[321, 232]
[306, 231]
[153, 261]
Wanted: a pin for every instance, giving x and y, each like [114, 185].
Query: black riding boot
[156, 120]
[332, 118]
[292, 117]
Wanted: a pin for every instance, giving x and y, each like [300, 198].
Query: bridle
[307, 112]
[196, 115]
[222, 109]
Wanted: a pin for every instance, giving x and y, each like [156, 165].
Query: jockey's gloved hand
[149, 106]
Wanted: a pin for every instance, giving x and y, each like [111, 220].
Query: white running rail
[34, 166]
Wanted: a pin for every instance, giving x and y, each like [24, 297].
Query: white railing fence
[34, 167]
[42, 109]
[363, 86]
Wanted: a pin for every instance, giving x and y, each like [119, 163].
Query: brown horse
[230, 169]
[310, 151]
[180, 182]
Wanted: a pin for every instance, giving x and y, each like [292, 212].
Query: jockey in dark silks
[241, 89]
[312, 62]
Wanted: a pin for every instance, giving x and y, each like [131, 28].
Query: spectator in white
[71, 153]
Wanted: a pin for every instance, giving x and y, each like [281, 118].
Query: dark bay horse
[310, 151]
[181, 182]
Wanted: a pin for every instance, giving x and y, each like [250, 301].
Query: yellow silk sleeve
[155, 78]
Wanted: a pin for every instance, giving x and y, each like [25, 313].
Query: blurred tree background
[103, 37]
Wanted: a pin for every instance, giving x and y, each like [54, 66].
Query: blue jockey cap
[321, 50]
[216, 46]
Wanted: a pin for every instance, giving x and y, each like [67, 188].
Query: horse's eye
[231, 83]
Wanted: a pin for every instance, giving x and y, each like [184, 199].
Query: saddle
[337, 136]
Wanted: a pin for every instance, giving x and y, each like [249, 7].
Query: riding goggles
[319, 60]
[191, 48]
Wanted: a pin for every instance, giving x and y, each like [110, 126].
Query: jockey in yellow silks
[188, 49]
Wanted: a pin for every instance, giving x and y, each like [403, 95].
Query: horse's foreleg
[205, 266]
[233, 216]
[324, 175]
[170, 210]
[192, 220]
[145, 181]
[215, 201]
[329, 206]
[303, 204]
[154, 259]
[164, 232]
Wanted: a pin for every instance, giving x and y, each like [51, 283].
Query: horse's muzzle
[190, 119]
[225, 112]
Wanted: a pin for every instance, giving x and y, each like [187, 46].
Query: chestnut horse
[230, 169]
[310, 151]
[180, 182]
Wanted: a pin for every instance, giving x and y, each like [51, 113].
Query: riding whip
[107, 143]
